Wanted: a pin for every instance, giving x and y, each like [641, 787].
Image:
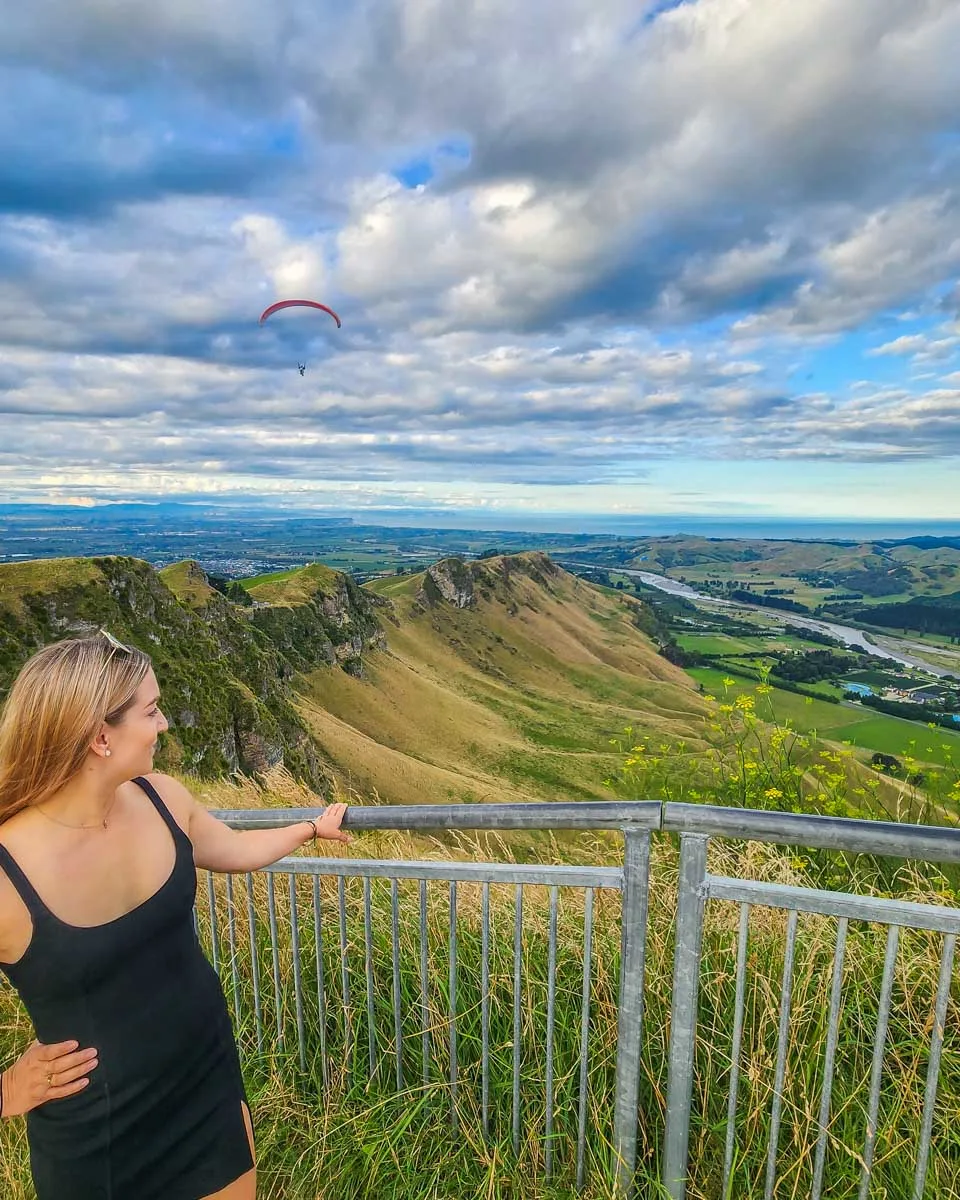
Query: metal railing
[412, 983]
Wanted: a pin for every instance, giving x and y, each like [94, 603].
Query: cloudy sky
[591, 256]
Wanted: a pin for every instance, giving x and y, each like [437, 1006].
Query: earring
[106, 754]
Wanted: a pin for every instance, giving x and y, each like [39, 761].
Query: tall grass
[357, 1135]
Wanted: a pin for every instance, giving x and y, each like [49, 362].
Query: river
[854, 638]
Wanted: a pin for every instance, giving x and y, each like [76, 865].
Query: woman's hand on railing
[45, 1072]
[328, 826]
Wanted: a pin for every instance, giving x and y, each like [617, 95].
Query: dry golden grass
[513, 699]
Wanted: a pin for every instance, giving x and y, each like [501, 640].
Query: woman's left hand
[328, 827]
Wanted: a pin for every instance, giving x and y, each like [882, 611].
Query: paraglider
[268, 312]
[281, 304]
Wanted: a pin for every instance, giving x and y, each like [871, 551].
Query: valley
[909, 586]
[869, 696]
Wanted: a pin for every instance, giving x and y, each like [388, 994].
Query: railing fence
[498, 991]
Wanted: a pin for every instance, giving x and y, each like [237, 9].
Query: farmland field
[843, 722]
[717, 643]
[893, 736]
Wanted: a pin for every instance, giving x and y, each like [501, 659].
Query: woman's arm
[217, 847]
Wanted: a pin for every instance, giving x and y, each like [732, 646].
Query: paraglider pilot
[281, 304]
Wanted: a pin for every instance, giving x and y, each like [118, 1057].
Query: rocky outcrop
[332, 623]
[454, 581]
[449, 581]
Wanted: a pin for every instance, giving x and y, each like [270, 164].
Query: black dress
[161, 1117]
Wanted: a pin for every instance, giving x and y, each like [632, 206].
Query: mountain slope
[502, 679]
[315, 614]
[490, 680]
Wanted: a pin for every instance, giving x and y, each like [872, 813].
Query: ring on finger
[49, 1079]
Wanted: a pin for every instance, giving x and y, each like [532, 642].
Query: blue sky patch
[414, 173]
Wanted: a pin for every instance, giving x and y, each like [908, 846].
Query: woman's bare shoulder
[175, 796]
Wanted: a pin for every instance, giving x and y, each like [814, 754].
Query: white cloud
[556, 305]
[295, 268]
[892, 255]
[908, 344]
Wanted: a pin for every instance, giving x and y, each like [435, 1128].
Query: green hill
[295, 586]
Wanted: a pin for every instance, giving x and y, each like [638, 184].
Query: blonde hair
[56, 706]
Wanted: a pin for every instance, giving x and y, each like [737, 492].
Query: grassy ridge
[295, 586]
[516, 696]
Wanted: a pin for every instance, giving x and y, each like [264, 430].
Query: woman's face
[134, 741]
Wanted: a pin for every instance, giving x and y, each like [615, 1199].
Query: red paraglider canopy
[267, 312]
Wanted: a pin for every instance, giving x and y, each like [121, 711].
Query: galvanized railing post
[636, 872]
[683, 1011]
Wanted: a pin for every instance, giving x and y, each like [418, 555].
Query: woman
[133, 1090]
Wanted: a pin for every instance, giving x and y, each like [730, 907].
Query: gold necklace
[67, 825]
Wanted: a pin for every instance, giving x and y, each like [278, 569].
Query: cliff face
[319, 617]
[448, 581]
[454, 581]
[224, 668]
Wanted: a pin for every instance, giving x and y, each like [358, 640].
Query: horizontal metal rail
[835, 904]
[927, 842]
[931, 843]
[600, 814]
[467, 872]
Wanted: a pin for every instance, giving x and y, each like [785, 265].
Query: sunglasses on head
[115, 643]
